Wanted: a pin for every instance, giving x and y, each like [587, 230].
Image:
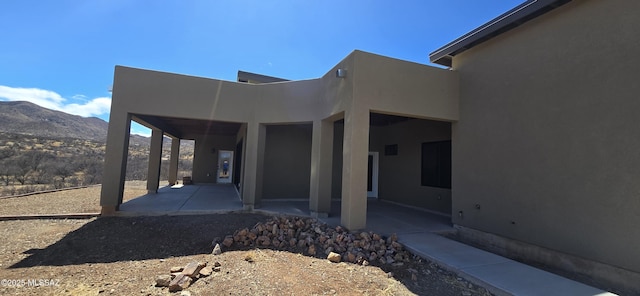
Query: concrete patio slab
[220, 197]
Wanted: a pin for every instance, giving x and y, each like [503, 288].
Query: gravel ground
[124, 256]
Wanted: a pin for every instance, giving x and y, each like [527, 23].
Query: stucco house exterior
[529, 139]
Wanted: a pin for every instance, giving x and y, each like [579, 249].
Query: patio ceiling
[186, 128]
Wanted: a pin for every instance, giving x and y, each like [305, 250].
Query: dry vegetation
[31, 164]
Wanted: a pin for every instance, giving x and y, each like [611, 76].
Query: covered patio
[384, 217]
[279, 140]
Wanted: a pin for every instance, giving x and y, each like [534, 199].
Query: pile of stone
[181, 278]
[317, 239]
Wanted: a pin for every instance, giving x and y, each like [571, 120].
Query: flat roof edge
[505, 22]
[244, 75]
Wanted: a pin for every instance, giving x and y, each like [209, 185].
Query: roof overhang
[505, 22]
[187, 128]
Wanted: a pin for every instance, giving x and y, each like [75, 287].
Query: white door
[372, 175]
[225, 166]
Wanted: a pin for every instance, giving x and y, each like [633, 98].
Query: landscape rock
[217, 250]
[228, 241]
[314, 237]
[176, 269]
[334, 257]
[206, 271]
[180, 282]
[193, 268]
[312, 250]
[351, 257]
[398, 257]
[163, 280]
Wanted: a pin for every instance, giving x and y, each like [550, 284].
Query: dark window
[436, 164]
[391, 149]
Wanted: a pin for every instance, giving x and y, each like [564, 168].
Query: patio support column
[173, 161]
[155, 158]
[321, 164]
[354, 168]
[115, 162]
[253, 167]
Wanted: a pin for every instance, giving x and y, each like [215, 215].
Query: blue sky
[61, 54]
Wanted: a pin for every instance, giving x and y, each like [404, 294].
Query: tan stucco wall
[391, 86]
[199, 98]
[548, 137]
[400, 175]
[287, 161]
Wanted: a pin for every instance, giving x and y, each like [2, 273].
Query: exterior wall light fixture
[341, 73]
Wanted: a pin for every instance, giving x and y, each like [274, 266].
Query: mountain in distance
[21, 117]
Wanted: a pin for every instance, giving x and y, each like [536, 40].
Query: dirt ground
[84, 200]
[124, 256]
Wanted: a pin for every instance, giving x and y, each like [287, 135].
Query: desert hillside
[30, 119]
[43, 149]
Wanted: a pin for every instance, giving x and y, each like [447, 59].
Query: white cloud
[52, 100]
[94, 107]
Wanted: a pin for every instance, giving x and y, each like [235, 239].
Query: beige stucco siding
[547, 139]
[404, 88]
[199, 98]
[167, 94]
[287, 161]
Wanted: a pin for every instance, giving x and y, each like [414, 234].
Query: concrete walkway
[416, 230]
